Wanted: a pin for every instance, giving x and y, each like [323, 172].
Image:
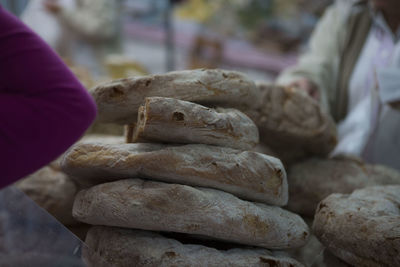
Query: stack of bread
[195, 169]
[294, 128]
[360, 229]
[189, 170]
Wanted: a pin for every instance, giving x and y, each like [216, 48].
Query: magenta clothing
[43, 108]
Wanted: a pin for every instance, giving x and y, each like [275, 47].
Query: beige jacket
[333, 51]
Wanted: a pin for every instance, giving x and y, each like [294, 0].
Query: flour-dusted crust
[171, 120]
[313, 180]
[363, 228]
[249, 175]
[118, 101]
[147, 205]
[52, 190]
[103, 138]
[124, 248]
[292, 124]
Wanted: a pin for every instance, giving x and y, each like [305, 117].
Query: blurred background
[102, 40]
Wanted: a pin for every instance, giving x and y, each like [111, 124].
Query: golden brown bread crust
[125, 248]
[246, 174]
[168, 120]
[292, 124]
[118, 101]
[313, 180]
[362, 228]
[156, 206]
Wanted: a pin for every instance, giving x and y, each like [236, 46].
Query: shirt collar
[380, 22]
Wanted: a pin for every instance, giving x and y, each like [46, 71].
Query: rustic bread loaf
[292, 124]
[249, 175]
[103, 138]
[313, 180]
[52, 190]
[124, 248]
[147, 205]
[363, 228]
[118, 101]
[171, 120]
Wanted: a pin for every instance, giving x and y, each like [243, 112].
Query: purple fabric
[43, 107]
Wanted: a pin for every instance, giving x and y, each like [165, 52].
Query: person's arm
[95, 19]
[315, 70]
[43, 107]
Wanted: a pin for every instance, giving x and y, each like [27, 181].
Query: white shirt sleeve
[389, 84]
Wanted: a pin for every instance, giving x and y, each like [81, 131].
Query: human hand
[307, 86]
[395, 105]
[52, 6]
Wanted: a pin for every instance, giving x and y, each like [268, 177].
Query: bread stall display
[294, 128]
[212, 172]
[190, 170]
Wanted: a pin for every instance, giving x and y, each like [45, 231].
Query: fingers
[307, 86]
[395, 105]
[52, 6]
[316, 95]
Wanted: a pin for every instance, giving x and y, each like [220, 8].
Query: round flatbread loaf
[118, 101]
[292, 124]
[139, 204]
[125, 248]
[313, 180]
[363, 228]
[246, 174]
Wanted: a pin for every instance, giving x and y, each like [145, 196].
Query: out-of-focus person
[83, 31]
[43, 107]
[353, 68]
[14, 6]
